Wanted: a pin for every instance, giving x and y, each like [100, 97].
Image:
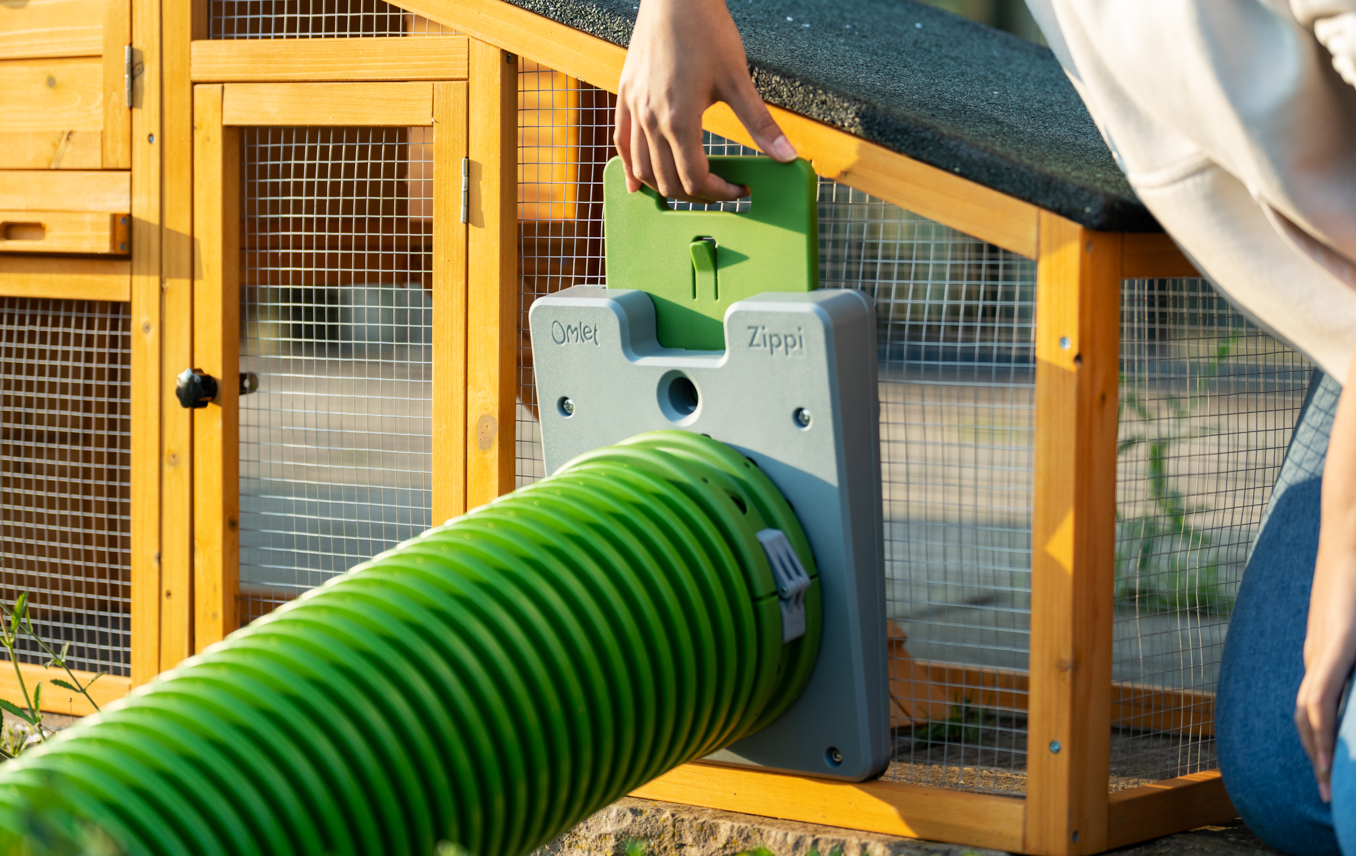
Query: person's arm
[1330, 646]
[685, 55]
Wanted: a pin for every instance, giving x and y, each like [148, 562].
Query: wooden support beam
[216, 350]
[357, 104]
[492, 275]
[1153, 256]
[449, 301]
[65, 278]
[176, 350]
[99, 233]
[117, 131]
[105, 690]
[1073, 538]
[1163, 808]
[915, 811]
[147, 177]
[261, 60]
[835, 154]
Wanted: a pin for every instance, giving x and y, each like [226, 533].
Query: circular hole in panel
[678, 398]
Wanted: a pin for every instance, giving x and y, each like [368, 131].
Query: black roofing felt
[984, 104]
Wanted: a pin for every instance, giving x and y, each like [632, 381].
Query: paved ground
[634, 826]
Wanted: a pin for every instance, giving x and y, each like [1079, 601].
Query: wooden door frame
[219, 111]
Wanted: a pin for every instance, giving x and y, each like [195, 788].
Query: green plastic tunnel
[487, 684]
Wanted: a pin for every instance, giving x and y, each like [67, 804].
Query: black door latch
[194, 388]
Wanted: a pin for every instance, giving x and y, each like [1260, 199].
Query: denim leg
[1265, 770]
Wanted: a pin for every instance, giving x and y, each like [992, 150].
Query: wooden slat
[492, 281]
[66, 191]
[117, 135]
[1138, 706]
[978, 820]
[1163, 808]
[1073, 538]
[52, 94]
[146, 329]
[51, 28]
[972, 208]
[449, 302]
[260, 60]
[216, 343]
[1150, 256]
[106, 690]
[177, 597]
[363, 104]
[51, 149]
[102, 233]
[66, 278]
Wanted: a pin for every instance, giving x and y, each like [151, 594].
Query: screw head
[150, 138]
[803, 417]
[566, 406]
[1055, 747]
[1064, 343]
[833, 756]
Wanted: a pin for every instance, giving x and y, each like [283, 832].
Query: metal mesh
[314, 19]
[564, 141]
[1208, 403]
[65, 461]
[336, 319]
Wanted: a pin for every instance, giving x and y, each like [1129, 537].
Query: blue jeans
[1265, 770]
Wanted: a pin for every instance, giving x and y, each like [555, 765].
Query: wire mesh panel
[336, 319]
[65, 471]
[314, 19]
[1208, 403]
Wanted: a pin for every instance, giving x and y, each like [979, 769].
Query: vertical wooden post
[449, 302]
[1073, 538]
[492, 274]
[146, 327]
[117, 143]
[216, 350]
[176, 561]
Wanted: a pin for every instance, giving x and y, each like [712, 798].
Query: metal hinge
[792, 581]
[465, 188]
[130, 70]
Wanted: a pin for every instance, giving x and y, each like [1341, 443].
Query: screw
[122, 246]
[122, 221]
[1054, 747]
[1075, 836]
[567, 407]
[150, 138]
[835, 757]
[1064, 343]
[802, 417]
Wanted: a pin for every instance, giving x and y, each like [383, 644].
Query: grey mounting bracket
[795, 391]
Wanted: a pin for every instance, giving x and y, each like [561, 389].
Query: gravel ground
[630, 825]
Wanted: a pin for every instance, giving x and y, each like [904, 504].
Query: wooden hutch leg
[1072, 538]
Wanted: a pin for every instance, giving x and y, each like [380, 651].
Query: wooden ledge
[320, 104]
[295, 60]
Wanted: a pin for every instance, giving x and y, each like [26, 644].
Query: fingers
[749, 107]
[621, 137]
[1316, 721]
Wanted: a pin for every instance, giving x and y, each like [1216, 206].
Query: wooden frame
[219, 110]
[364, 59]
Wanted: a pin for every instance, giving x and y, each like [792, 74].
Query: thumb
[753, 113]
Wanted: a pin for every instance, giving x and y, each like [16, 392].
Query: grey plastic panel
[787, 353]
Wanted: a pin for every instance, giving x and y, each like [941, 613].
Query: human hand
[686, 55]
[1330, 642]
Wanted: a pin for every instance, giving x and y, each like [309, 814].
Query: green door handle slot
[704, 279]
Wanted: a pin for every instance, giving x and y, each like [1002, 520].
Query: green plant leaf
[65, 686]
[10, 707]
